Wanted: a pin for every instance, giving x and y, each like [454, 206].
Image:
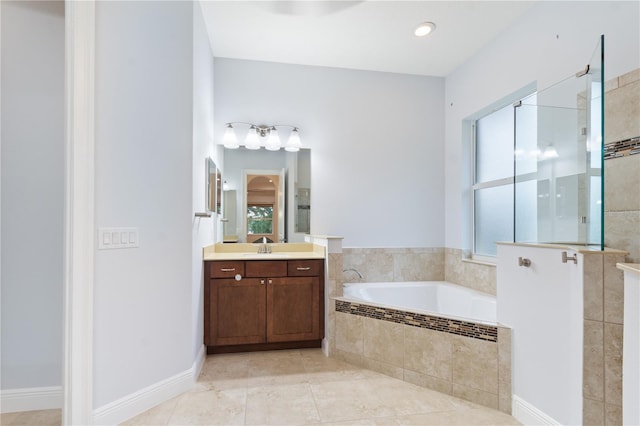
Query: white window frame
[512, 99]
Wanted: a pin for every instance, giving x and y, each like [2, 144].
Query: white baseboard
[528, 414]
[138, 402]
[29, 399]
[199, 362]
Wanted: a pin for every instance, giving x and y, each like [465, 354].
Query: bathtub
[434, 298]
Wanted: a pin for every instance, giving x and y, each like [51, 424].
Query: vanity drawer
[226, 269]
[266, 268]
[304, 268]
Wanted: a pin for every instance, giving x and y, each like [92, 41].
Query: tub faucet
[354, 270]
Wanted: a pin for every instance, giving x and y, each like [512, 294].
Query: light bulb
[293, 144]
[229, 139]
[252, 141]
[273, 143]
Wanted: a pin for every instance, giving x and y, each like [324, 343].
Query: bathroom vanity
[263, 301]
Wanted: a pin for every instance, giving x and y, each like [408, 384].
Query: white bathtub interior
[430, 297]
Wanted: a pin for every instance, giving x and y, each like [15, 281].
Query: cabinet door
[237, 311]
[293, 309]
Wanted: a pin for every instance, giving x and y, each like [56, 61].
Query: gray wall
[376, 144]
[32, 193]
[144, 128]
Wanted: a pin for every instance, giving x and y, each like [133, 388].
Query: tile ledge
[479, 262]
[629, 267]
[583, 249]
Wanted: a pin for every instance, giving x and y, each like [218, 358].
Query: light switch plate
[118, 238]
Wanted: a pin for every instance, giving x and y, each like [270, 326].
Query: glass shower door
[558, 161]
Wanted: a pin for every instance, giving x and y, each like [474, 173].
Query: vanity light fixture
[258, 133]
[424, 29]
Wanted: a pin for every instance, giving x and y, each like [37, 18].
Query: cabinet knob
[261, 281]
[270, 281]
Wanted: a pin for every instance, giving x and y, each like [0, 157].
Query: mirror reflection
[266, 195]
[212, 198]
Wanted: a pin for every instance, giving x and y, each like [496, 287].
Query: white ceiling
[365, 35]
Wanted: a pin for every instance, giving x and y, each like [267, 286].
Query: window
[260, 219]
[493, 181]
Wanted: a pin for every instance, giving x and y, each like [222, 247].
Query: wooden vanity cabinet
[275, 304]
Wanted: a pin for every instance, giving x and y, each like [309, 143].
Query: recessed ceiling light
[424, 29]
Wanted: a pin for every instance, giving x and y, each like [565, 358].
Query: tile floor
[302, 387]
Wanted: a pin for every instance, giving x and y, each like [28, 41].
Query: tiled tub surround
[428, 351]
[431, 322]
[394, 264]
[622, 173]
[473, 369]
[419, 264]
[460, 269]
[603, 335]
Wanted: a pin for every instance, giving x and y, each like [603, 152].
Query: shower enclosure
[558, 168]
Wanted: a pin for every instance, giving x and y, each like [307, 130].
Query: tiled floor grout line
[338, 392]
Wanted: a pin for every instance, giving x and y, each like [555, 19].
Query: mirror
[265, 191]
[253, 207]
[214, 187]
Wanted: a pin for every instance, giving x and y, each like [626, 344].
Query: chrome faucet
[354, 270]
[264, 247]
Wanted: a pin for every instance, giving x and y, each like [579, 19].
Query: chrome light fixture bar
[259, 133]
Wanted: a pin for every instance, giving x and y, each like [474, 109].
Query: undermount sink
[270, 255]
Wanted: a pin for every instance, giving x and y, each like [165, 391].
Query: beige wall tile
[335, 266]
[427, 266]
[613, 363]
[593, 361]
[428, 352]
[592, 412]
[350, 357]
[622, 231]
[613, 290]
[349, 333]
[629, 77]
[429, 382]
[475, 364]
[622, 180]
[504, 369]
[481, 277]
[593, 289]
[384, 341]
[474, 395]
[505, 404]
[385, 368]
[622, 110]
[612, 415]
[375, 266]
[468, 274]
[611, 85]
[331, 330]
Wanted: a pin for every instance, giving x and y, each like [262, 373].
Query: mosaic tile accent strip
[622, 148]
[461, 328]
